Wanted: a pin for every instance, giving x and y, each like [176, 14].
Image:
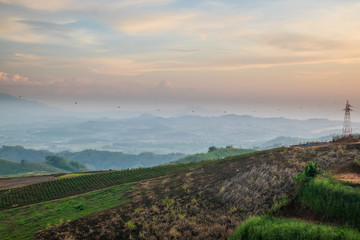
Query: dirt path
[23, 181]
[349, 177]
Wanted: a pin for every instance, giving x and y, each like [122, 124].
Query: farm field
[24, 222]
[58, 188]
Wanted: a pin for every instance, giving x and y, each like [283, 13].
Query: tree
[59, 162]
[212, 148]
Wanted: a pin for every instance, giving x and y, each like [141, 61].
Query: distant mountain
[93, 159]
[288, 141]
[35, 125]
[19, 110]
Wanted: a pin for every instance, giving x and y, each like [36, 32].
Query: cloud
[194, 23]
[302, 42]
[164, 85]
[22, 56]
[40, 4]
[155, 23]
[13, 29]
[16, 29]
[60, 5]
[118, 66]
[185, 50]
[16, 79]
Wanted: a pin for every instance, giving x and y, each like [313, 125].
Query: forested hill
[92, 159]
[13, 169]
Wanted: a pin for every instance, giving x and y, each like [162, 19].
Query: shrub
[357, 162]
[266, 227]
[130, 225]
[310, 172]
[333, 199]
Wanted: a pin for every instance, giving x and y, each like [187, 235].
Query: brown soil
[349, 177]
[348, 172]
[23, 181]
[205, 203]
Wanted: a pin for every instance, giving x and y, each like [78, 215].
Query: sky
[297, 59]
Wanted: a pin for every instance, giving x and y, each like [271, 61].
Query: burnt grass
[208, 202]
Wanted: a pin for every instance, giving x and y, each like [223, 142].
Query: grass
[267, 228]
[72, 175]
[24, 222]
[333, 199]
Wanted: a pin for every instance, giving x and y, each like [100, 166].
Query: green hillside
[214, 153]
[13, 169]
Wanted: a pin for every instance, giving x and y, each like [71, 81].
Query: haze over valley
[35, 125]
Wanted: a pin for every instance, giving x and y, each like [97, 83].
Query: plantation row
[49, 190]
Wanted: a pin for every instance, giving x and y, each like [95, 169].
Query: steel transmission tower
[347, 129]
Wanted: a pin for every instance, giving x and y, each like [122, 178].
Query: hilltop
[199, 200]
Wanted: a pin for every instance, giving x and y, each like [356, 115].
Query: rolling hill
[195, 200]
[13, 169]
[90, 158]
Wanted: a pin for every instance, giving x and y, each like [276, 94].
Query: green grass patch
[72, 175]
[333, 199]
[265, 227]
[24, 222]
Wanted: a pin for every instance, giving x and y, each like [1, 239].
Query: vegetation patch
[72, 175]
[310, 172]
[24, 222]
[265, 227]
[333, 199]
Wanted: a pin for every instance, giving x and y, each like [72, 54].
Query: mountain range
[38, 126]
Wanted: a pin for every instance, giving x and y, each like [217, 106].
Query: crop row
[54, 189]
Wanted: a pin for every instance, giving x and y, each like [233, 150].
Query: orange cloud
[16, 79]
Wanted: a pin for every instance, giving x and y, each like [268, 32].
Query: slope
[207, 202]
